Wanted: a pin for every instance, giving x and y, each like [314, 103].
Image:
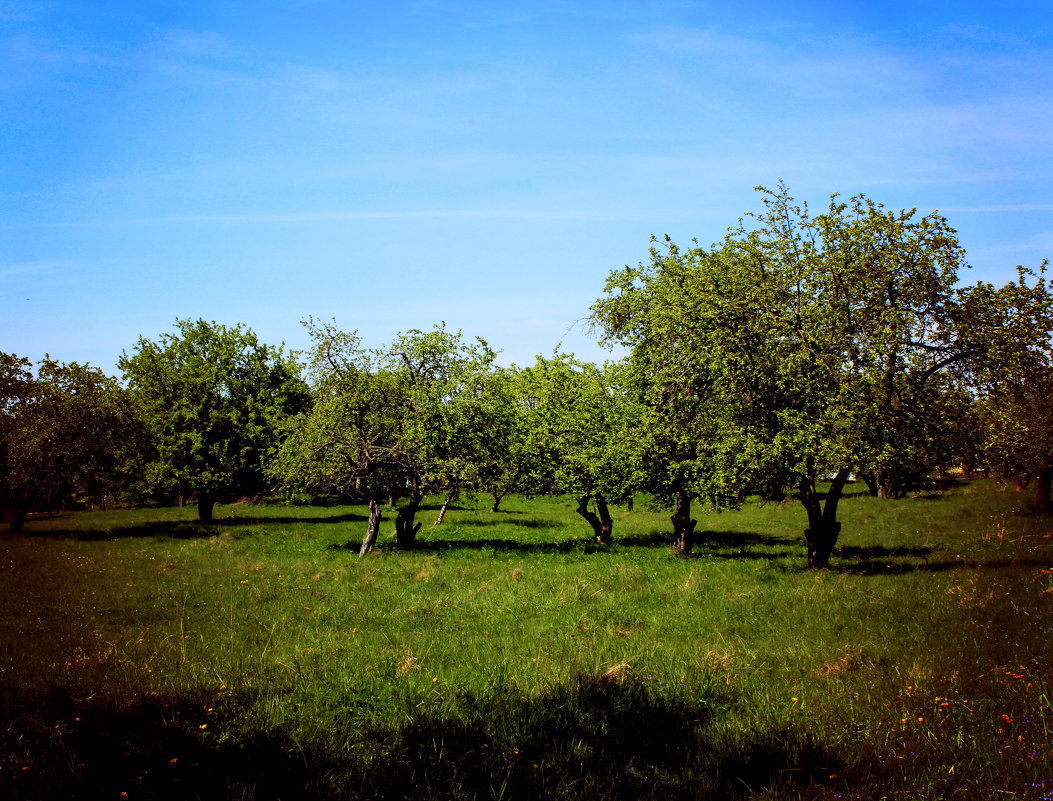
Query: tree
[507, 461]
[403, 421]
[214, 398]
[777, 357]
[578, 436]
[449, 419]
[343, 444]
[911, 441]
[67, 432]
[1017, 422]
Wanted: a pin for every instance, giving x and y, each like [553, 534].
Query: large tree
[67, 432]
[402, 421]
[778, 356]
[214, 398]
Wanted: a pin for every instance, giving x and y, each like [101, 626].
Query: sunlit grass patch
[509, 656]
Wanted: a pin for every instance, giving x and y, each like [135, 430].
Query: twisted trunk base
[369, 542]
[602, 523]
[405, 529]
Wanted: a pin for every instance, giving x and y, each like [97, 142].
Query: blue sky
[392, 165]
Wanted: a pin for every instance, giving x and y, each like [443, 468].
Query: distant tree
[775, 357]
[912, 440]
[448, 420]
[506, 462]
[213, 398]
[415, 418]
[1017, 425]
[67, 432]
[579, 436]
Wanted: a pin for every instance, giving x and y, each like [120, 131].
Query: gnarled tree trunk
[871, 481]
[823, 528]
[406, 529]
[602, 524]
[369, 542]
[18, 520]
[1045, 484]
[497, 500]
[606, 521]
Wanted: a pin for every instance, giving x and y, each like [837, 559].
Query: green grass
[142, 653]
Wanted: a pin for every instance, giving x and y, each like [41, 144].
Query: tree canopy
[213, 398]
[67, 431]
[800, 346]
[578, 440]
[414, 418]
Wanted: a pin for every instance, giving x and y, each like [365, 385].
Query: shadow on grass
[745, 545]
[153, 746]
[883, 567]
[523, 523]
[712, 544]
[600, 738]
[184, 529]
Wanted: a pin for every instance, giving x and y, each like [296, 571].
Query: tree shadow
[744, 545]
[531, 523]
[511, 546]
[156, 746]
[185, 529]
[611, 736]
[884, 567]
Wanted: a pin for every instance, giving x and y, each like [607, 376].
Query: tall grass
[142, 653]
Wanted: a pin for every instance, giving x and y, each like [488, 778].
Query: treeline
[799, 352]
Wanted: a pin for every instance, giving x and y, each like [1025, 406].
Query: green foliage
[68, 433]
[808, 346]
[579, 435]
[426, 414]
[1017, 429]
[214, 398]
[346, 444]
[452, 415]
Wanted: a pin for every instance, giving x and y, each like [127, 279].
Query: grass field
[143, 655]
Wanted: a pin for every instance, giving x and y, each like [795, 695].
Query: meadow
[145, 655]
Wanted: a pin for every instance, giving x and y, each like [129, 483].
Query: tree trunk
[602, 524]
[629, 504]
[445, 506]
[606, 521]
[823, 528]
[369, 542]
[1045, 484]
[683, 525]
[871, 481]
[18, 521]
[405, 528]
[205, 503]
[497, 501]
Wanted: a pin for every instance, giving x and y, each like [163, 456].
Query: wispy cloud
[338, 216]
[31, 267]
[996, 208]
